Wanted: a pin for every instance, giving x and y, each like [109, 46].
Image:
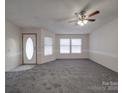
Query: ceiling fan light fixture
[80, 23]
[85, 21]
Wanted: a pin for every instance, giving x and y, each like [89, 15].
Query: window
[75, 45]
[64, 46]
[70, 46]
[29, 48]
[48, 47]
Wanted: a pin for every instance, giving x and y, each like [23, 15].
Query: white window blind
[70, 46]
[75, 45]
[48, 46]
[64, 46]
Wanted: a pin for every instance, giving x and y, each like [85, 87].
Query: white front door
[29, 48]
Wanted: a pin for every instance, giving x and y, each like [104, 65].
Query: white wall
[42, 33]
[12, 47]
[100, 46]
[103, 45]
[85, 46]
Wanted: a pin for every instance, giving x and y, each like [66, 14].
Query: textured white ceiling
[53, 14]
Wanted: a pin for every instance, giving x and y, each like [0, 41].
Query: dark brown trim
[22, 47]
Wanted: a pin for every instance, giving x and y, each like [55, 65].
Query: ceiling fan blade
[91, 20]
[94, 13]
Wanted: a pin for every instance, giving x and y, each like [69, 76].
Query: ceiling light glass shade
[85, 21]
[80, 23]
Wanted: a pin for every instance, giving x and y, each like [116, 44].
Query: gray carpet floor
[63, 76]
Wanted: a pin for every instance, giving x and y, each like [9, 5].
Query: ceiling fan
[82, 18]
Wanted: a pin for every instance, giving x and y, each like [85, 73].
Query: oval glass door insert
[29, 48]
